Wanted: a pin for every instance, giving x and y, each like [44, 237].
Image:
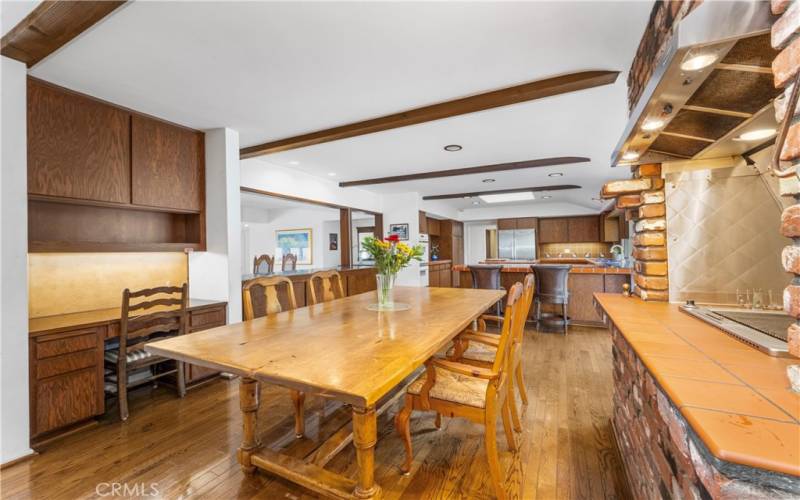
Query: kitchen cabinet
[553, 230]
[423, 223]
[503, 224]
[434, 227]
[166, 165]
[582, 287]
[527, 223]
[78, 148]
[609, 229]
[440, 274]
[583, 229]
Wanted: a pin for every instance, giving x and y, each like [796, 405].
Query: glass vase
[385, 290]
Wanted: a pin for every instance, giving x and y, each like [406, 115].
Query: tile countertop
[735, 398]
[307, 272]
[576, 269]
[96, 317]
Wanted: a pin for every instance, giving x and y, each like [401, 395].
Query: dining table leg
[365, 434]
[249, 399]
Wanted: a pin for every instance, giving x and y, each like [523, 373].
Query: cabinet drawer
[207, 318]
[61, 401]
[75, 341]
[66, 363]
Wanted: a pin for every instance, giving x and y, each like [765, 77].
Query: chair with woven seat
[479, 348]
[331, 287]
[552, 288]
[487, 277]
[263, 264]
[475, 393]
[269, 300]
[147, 315]
[289, 262]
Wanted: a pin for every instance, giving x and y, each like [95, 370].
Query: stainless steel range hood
[705, 110]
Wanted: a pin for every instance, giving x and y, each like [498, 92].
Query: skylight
[506, 197]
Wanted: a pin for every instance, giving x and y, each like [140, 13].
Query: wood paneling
[167, 165]
[77, 147]
[423, 223]
[553, 230]
[614, 282]
[61, 401]
[582, 286]
[52, 25]
[519, 93]
[434, 228]
[345, 236]
[527, 223]
[584, 229]
[360, 281]
[503, 224]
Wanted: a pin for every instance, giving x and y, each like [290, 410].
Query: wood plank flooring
[185, 448]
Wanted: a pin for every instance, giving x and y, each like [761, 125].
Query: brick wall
[663, 459]
[663, 18]
[785, 67]
[643, 200]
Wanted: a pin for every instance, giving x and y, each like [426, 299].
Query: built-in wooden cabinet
[553, 230]
[78, 147]
[517, 223]
[434, 227]
[423, 223]
[104, 178]
[166, 165]
[610, 228]
[583, 229]
[583, 286]
[440, 274]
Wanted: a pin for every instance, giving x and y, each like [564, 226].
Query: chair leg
[512, 444]
[299, 399]
[122, 391]
[403, 426]
[564, 313]
[491, 452]
[438, 421]
[523, 392]
[512, 406]
[181, 376]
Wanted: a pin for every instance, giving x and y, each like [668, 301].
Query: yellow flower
[403, 248]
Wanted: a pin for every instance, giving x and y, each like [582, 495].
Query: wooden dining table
[340, 350]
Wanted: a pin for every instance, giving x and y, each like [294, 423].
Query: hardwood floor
[185, 448]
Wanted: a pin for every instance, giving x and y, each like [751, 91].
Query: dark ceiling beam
[559, 187]
[498, 167]
[50, 26]
[512, 95]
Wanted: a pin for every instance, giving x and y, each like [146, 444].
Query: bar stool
[551, 288]
[487, 277]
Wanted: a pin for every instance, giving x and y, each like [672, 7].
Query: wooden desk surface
[338, 348]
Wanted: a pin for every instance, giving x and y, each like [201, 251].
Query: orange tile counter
[695, 409]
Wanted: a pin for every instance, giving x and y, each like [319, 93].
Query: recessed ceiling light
[294, 162]
[332, 174]
[651, 125]
[757, 134]
[487, 181]
[698, 62]
[467, 197]
[555, 174]
[453, 147]
[546, 197]
[506, 197]
[630, 155]
[476, 202]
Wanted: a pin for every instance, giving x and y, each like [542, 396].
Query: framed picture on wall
[401, 230]
[296, 241]
[333, 241]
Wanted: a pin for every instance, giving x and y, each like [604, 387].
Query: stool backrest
[551, 283]
[485, 276]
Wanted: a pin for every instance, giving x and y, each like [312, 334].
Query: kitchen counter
[576, 269]
[673, 371]
[307, 272]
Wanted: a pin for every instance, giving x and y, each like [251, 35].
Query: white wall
[439, 208]
[404, 208]
[262, 175]
[14, 423]
[216, 273]
[262, 225]
[331, 258]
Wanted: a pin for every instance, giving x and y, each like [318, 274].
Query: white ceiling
[264, 202]
[273, 70]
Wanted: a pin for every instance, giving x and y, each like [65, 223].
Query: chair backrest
[510, 318]
[289, 262]
[551, 283]
[150, 311]
[263, 264]
[271, 302]
[528, 290]
[485, 276]
[331, 286]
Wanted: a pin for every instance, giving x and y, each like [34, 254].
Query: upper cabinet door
[167, 165]
[503, 224]
[526, 223]
[584, 229]
[77, 147]
[553, 230]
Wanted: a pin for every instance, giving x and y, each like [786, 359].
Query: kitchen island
[586, 278]
[698, 414]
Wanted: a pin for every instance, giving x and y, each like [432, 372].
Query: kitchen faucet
[617, 251]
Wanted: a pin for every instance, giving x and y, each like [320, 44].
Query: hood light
[651, 125]
[698, 62]
[755, 135]
[630, 155]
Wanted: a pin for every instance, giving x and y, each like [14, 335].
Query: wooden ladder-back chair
[289, 262]
[480, 348]
[272, 305]
[331, 286]
[263, 264]
[161, 313]
[475, 393]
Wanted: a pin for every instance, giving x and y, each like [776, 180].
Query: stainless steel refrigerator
[517, 244]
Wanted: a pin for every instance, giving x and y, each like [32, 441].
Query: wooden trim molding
[530, 91]
[484, 169]
[51, 25]
[561, 187]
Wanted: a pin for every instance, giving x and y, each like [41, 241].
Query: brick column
[785, 67]
[643, 200]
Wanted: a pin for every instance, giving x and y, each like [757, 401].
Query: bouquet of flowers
[391, 255]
